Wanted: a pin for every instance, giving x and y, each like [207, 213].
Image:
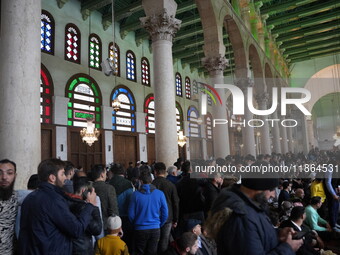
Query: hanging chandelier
[90, 133]
[116, 104]
[181, 138]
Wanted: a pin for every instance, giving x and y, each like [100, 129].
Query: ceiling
[304, 29]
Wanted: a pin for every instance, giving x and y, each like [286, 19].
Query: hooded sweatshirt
[148, 208]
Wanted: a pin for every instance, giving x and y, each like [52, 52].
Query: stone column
[60, 120]
[290, 134]
[215, 66]
[284, 143]
[262, 100]
[20, 133]
[276, 133]
[162, 26]
[247, 131]
[310, 130]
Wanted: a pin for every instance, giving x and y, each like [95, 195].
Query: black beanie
[260, 183]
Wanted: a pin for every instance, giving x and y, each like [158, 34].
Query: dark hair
[68, 167]
[79, 183]
[33, 182]
[96, 171]
[315, 200]
[285, 184]
[145, 176]
[48, 167]
[117, 169]
[186, 167]
[160, 167]
[186, 240]
[297, 213]
[7, 161]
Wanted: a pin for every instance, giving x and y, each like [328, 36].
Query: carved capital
[61, 3]
[215, 64]
[161, 26]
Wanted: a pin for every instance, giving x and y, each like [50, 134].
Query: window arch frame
[52, 24]
[148, 99]
[148, 83]
[209, 127]
[93, 35]
[67, 27]
[181, 118]
[134, 69]
[118, 56]
[178, 84]
[71, 84]
[46, 84]
[130, 95]
[187, 88]
[193, 122]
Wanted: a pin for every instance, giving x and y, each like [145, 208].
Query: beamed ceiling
[303, 29]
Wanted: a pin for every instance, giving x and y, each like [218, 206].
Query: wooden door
[182, 152]
[151, 149]
[81, 154]
[47, 142]
[196, 149]
[125, 149]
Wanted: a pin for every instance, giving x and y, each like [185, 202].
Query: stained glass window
[149, 109]
[114, 55]
[46, 93]
[95, 52]
[85, 101]
[209, 130]
[72, 43]
[209, 99]
[125, 118]
[187, 88]
[130, 66]
[194, 87]
[47, 32]
[179, 117]
[194, 127]
[178, 80]
[145, 72]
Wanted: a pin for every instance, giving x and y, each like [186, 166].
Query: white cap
[114, 222]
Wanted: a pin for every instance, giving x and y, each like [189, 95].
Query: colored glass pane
[194, 127]
[187, 88]
[145, 72]
[149, 109]
[209, 131]
[95, 52]
[178, 80]
[72, 43]
[130, 66]
[46, 93]
[114, 57]
[46, 33]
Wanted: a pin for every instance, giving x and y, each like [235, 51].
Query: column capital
[161, 26]
[215, 63]
[244, 83]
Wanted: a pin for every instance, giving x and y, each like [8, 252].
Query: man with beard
[240, 225]
[47, 224]
[8, 205]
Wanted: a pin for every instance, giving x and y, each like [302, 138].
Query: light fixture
[238, 128]
[90, 133]
[258, 133]
[116, 104]
[181, 138]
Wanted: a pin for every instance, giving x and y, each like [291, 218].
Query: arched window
[149, 109]
[46, 93]
[179, 117]
[187, 88]
[95, 52]
[130, 66]
[194, 87]
[125, 118]
[145, 71]
[178, 80]
[194, 127]
[85, 101]
[47, 32]
[209, 99]
[209, 130]
[114, 55]
[72, 43]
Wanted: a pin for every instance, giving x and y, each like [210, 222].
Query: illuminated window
[145, 72]
[125, 118]
[178, 80]
[114, 56]
[95, 52]
[46, 93]
[209, 130]
[194, 87]
[179, 117]
[85, 101]
[194, 127]
[47, 32]
[187, 88]
[72, 43]
[130, 66]
[149, 109]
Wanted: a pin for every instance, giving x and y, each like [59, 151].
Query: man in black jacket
[47, 224]
[170, 192]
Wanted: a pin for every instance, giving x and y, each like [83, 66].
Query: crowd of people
[161, 209]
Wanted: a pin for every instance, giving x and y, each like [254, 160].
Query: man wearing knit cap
[240, 225]
[111, 244]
